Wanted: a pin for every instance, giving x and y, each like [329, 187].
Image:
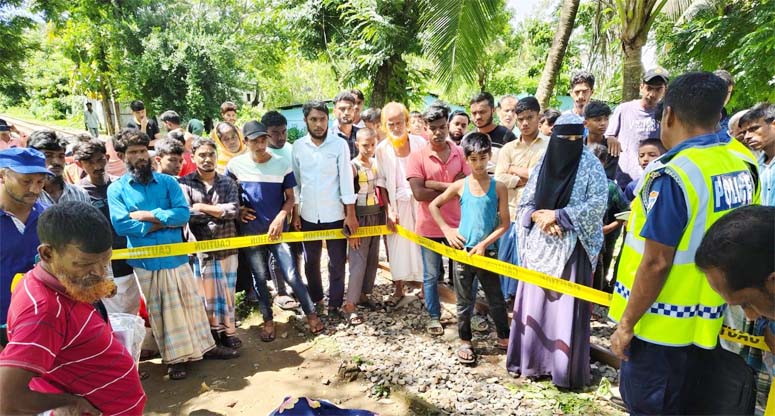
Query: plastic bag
[129, 330]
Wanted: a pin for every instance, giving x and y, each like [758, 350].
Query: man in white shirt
[91, 121]
[321, 164]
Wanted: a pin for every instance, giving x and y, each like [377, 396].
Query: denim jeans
[276, 270]
[465, 279]
[432, 271]
[258, 257]
[337, 259]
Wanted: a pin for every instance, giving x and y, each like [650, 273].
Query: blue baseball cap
[24, 160]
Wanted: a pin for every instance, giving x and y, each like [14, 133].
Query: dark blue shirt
[164, 198]
[666, 213]
[17, 252]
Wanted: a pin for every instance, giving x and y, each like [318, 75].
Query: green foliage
[739, 37]
[457, 33]
[14, 47]
[597, 37]
[295, 134]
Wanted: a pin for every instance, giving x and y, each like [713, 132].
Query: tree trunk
[389, 83]
[636, 18]
[107, 108]
[632, 69]
[557, 52]
[381, 84]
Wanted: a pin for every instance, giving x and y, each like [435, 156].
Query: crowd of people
[545, 190]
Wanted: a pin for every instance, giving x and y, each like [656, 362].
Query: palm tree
[557, 51]
[635, 20]
[373, 38]
[456, 36]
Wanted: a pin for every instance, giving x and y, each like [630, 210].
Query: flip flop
[468, 350]
[354, 319]
[393, 301]
[177, 371]
[479, 323]
[320, 327]
[267, 336]
[286, 303]
[434, 327]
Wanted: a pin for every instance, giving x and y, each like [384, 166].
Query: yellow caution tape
[178, 249]
[507, 269]
[496, 266]
[739, 337]
[550, 282]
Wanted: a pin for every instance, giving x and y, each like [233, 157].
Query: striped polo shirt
[70, 347]
[262, 188]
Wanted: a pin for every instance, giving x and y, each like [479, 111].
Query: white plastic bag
[129, 330]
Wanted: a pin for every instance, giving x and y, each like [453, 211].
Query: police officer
[667, 313]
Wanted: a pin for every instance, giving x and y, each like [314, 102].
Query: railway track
[27, 127]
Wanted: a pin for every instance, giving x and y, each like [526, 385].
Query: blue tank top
[478, 214]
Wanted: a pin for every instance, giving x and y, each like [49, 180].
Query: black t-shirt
[152, 128]
[99, 200]
[501, 135]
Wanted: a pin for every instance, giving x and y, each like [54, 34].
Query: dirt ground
[258, 381]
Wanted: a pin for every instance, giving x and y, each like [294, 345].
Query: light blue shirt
[767, 179]
[325, 178]
[164, 198]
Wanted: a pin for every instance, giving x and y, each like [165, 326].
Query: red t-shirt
[188, 165]
[425, 165]
[70, 347]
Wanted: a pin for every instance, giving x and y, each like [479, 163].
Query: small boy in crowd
[612, 227]
[648, 150]
[596, 114]
[169, 156]
[484, 218]
[364, 252]
[547, 120]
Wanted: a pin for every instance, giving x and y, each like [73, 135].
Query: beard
[80, 291]
[397, 141]
[142, 174]
[315, 136]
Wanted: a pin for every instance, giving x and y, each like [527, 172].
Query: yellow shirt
[518, 154]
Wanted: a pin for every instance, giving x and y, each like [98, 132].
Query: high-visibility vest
[687, 311]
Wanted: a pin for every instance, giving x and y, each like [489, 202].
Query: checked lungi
[176, 312]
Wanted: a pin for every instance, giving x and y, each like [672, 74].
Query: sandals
[286, 303]
[393, 300]
[434, 328]
[221, 353]
[177, 371]
[466, 354]
[316, 329]
[479, 323]
[354, 319]
[230, 341]
[267, 336]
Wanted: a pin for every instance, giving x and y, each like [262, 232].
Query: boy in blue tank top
[484, 218]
